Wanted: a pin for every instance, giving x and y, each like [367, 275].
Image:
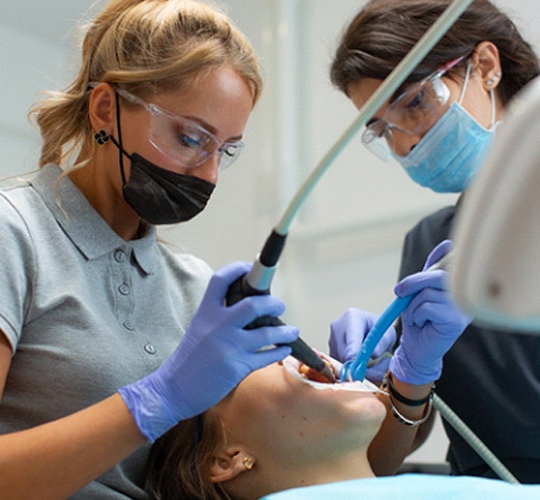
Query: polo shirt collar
[82, 223]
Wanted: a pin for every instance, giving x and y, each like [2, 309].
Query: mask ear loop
[465, 82]
[492, 97]
[119, 143]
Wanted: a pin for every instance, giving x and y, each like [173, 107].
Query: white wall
[344, 246]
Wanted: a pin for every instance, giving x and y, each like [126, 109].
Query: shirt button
[120, 256]
[128, 325]
[150, 349]
[124, 289]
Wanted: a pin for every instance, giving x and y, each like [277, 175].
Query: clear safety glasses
[182, 139]
[414, 112]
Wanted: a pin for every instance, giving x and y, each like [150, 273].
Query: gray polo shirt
[85, 311]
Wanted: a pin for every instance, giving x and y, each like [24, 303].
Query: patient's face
[272, 411]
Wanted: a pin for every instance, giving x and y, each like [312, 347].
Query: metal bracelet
[406, 421]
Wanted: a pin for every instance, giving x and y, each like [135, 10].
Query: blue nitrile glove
[431, 323]
[214, 355]
[347, 334]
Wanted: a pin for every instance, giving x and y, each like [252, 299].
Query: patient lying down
[282, 435]
[275, 431]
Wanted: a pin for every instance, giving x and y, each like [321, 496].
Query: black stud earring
[101, 137]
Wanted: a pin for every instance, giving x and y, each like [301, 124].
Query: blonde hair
[143, 46]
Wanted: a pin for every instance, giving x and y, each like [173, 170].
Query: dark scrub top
[490, 378]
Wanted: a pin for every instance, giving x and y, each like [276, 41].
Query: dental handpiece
[358, 366]
[257, 282]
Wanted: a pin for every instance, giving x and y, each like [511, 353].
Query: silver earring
[491, 81]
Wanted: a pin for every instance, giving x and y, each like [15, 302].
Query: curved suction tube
[356, 368]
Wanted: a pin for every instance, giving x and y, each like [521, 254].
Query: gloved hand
[214, 355]
[431, 323]
[347, 334]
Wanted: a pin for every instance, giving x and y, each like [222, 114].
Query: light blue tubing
[357, 367]
[379, 97]
[466, 433]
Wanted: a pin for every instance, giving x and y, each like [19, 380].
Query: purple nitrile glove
[431, 323]
[214, 355]
[347, 334]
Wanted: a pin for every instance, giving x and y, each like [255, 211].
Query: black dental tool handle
[299, 349]
[257, 282]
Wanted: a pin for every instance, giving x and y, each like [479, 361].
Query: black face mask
[158, 195]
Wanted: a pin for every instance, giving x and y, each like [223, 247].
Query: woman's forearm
[395, 440]
[57, 459]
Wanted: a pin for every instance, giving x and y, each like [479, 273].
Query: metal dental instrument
[356, 368]
[258, 280]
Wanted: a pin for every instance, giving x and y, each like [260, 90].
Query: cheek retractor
[293, 366]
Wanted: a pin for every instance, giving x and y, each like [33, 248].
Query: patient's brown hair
[179, 462]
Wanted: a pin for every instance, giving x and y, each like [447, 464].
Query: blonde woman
[102, 348]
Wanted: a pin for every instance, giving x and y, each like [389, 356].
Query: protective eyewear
[414, 112]
[182, 139]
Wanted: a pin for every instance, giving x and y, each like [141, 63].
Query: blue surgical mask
[452, 152]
